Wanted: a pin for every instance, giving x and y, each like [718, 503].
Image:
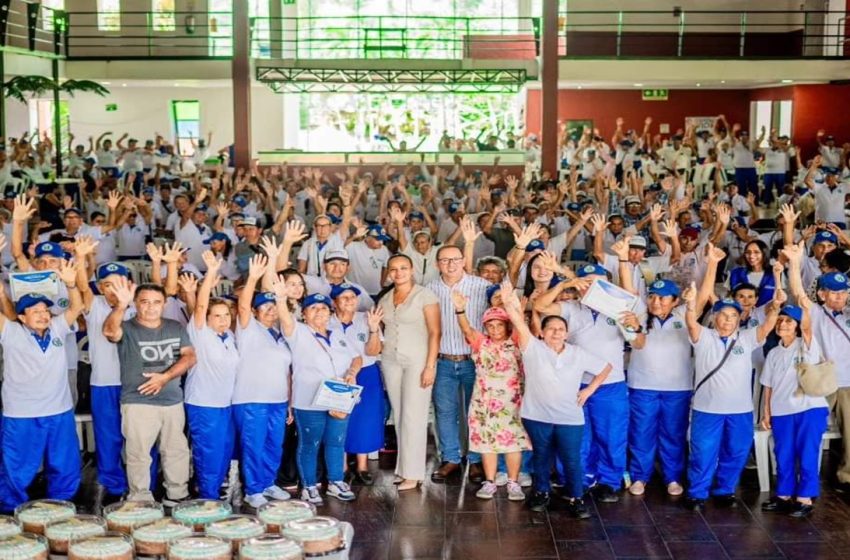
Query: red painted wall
[815, 106]
[604, 106]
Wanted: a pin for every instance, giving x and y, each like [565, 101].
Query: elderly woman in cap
[363, 332]
[797, 420]
[262, 390]
[495, 426]
[722, 419]
[320, 354]
[38, 413]
[222, 247]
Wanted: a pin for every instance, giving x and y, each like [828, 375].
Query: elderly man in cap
[249, 245]
[38, 412]
[327, 237]
[644, 269]
[829, 194]
[335, 270]
[368, 257]
[192, 230]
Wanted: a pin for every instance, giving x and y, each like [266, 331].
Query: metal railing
[32, 29]
[703, 34]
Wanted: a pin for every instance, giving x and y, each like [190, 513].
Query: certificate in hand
[45, 282]
[336, 395]
[609, 299]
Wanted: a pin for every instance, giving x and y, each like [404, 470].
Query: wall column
[241, 85]
[549, 88]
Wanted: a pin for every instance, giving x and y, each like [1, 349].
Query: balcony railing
[704, 34]
[32, 29]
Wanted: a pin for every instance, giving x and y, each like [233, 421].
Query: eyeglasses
[455, 260]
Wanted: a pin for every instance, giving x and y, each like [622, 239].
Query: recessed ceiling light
[105, 83]
[787, 81]
[698, 84]
[176, 84]
[123, 85]
[579, 87]
[722, 81]
[638, 85]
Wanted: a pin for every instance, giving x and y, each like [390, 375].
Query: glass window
[163, 15]
[221, 27]
[108, 15]
[47, 14]
[186, 120]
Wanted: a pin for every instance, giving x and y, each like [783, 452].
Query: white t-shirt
[367, 265]
[730, 390]
[35, 382]
[131, 240]
[834, 344]
[653, 265]
[315, 361]
[105, 371]
[598, 335]
[552, 382]
[775, 162]
[742, 156]
[780, 374]
[211, 380]
[424, 266]
[107, 158]
[357, 335]
[829, 203]
[664, 363]
[263, 374]
[314, 254]
[318, 285]
[192, 237]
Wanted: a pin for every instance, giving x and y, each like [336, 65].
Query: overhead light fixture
[579, 87]
[787, 81]
[722, 81]
[176, 84]
[698, 84]
[105, 83]
[638, 85]
[123, 85]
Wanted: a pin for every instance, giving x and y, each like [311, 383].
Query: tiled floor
[447, 521]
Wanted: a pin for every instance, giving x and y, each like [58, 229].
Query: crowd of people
[202, 316]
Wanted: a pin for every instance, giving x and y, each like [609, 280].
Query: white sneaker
[501, 479]
[515, 493]
[675, 489]
[637, 488]
[311, 495]
[256, 500]
[524, 480]
[275, 492]
[341, 491]
[487, 491]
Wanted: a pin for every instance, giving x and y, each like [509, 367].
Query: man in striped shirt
[455, 368]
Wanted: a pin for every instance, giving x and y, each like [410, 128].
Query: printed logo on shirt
[678, 325]
[57, 342]
[753, 323]
[343, 344]
[847, 322]
[159, 353]
[63, 303]
[737, 350]
[361, 337]
[610, 321]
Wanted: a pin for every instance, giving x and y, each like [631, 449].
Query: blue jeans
[772, 180]
[747, 181]
[316, 427]
[798, 438]
[549, 440]
[454, 379]
[720, 445]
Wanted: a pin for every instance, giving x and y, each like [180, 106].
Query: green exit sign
[654, 94]
[111, 107]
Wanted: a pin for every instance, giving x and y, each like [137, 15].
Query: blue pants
[606, 427]
[772, 180]
[747, 180]
[563, 441]
[25, 443]
[720, 444]
[454, 379]
[261, 428]
[366, 421]
[316, 427]
[658, 423]
[797, 439]
[109, 442]
[211, 435]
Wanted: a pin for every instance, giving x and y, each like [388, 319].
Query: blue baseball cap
[573, 206]
[454, 207]
[416, 215]
[316, 299]
[338, 289]
[663, 287]
[263, 298]
[834, 282]
[29, 300]
[149, 190]
[335, 220]
[201, 208]
[591, 269]
[49, 249]
[535, 245]
[726, 302]
[792, 311]
[240, 201]
[378, 232]
[491, 291]
[217, 236]
[110, 268]
[73, 210]
[825, 237]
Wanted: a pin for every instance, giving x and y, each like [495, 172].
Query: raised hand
[257, 267]
[396, 215]
[270, 247]
[113, 199]
[294, 232]
[550, 261]
[154, 252]
[24, 209]
[84, 246]
[689, 296]
[188, 282]
[67, 272]
[374, 318]
[714, 254]
[459, 300]
[656, 212]
[529, 233]
[621, 248]
[779, 297]
[172, 253]
[468, 230]
[724, 214]
[123, 290]
[669, 228]
[793, 252]
[212, 261]
[600, 224]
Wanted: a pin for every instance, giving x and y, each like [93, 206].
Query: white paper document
[336, 395]
[609, 299]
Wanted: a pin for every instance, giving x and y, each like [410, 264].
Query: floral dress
[494, 412]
